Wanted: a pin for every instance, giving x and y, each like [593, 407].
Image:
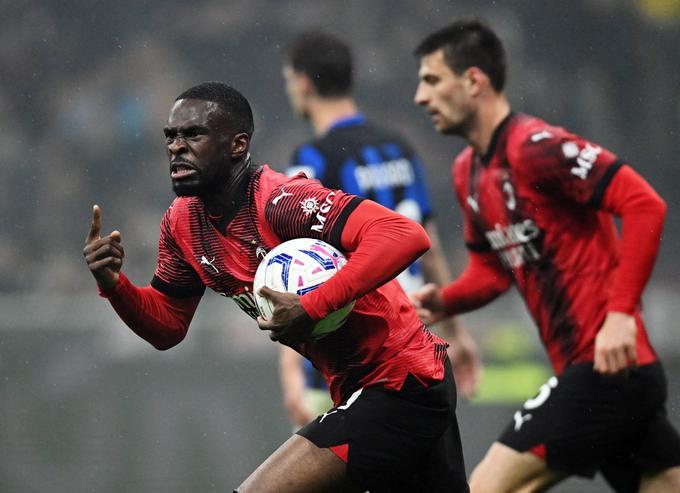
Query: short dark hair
[232, 102]
[468, 43]
[325, 59]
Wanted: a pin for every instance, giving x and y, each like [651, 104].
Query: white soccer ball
[299, 266]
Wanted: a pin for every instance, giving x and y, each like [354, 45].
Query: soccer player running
[352, 154]
[386, 372]
[538, 204]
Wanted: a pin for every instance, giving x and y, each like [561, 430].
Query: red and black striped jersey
[382, 340]
[535, 200]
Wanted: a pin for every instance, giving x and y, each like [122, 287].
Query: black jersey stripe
[601, 186]
[336, 232]
[176, 291]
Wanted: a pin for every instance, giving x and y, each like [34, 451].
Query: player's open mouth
[179, 171]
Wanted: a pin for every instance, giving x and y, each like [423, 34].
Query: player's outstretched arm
[161, 320]
[104, 256]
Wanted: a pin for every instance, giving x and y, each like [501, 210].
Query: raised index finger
[96, 226]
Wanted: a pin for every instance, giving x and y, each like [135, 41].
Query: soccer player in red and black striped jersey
[385, 370]
[351, 153]
[538, 204]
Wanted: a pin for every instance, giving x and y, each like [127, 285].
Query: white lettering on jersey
[323, 210]
[585, 160]
[539, 136]
[514, 243]
[395, 173]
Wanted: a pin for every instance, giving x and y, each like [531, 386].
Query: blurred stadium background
[85, 89]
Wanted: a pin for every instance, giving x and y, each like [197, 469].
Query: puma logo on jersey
[521, 419]
[205, 261]
[280, 196]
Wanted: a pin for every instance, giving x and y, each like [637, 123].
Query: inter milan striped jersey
[381, 342]
[359, 158]
[533, 199]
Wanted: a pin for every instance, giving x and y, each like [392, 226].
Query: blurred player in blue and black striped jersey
[351, 153]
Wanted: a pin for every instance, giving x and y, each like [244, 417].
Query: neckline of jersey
[240, 194]
[348, 121]
[486, 158]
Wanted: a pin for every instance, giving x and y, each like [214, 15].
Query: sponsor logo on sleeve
[585, 158]
[323, 211]
[309, 206]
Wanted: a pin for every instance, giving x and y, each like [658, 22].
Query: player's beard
[223, 180]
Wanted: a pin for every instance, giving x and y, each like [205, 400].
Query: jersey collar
[486, 158]
[348, 121]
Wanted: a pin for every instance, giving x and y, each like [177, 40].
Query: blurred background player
[385, 370]
[352, 154]
[538, 205]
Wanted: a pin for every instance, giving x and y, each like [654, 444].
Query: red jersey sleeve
[381, 243]
[174, 276]
[642, 214]
[303, 208]
[482, 281]
[557, 162]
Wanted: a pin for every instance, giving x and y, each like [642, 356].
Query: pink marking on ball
[328, 254]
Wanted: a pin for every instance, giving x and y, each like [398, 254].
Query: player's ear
[240, 144]
[306, 84]
[474, 80]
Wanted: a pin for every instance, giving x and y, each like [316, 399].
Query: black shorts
[395, 441]
[582, 422]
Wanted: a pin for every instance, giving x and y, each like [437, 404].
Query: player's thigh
[505, 470]
[299, 466]
[667, 481]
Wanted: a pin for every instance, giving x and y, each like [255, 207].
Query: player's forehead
[434, 64]
[194, 112]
